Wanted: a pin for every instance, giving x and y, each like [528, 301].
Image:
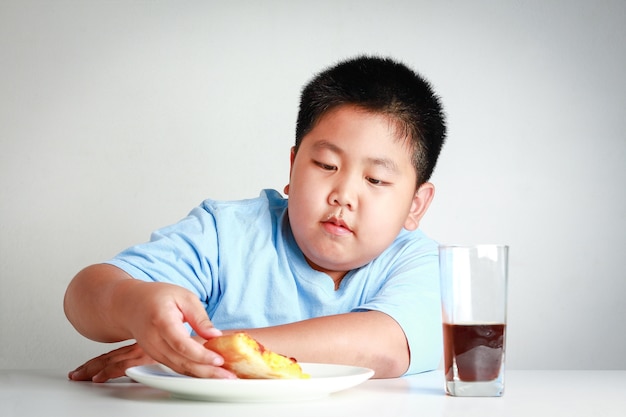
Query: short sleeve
[184, 254]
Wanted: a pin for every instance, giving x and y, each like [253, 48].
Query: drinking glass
[474, 300]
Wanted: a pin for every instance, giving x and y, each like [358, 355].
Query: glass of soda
[474, 297]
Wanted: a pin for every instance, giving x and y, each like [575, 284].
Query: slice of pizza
[248, 359]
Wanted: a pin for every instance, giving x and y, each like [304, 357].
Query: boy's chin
[333, 268]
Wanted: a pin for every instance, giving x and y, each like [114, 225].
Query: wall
[118, 117]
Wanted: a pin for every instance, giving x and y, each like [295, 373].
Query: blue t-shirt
[241, 260]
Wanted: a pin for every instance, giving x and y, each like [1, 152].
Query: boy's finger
[178, 350]
[199, 321]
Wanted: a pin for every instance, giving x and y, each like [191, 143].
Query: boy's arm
[105, 304]
[370, 339]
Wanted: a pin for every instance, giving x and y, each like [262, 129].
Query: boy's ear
[421, 201]
[291, 159]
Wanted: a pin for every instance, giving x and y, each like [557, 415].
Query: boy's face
[351, 190]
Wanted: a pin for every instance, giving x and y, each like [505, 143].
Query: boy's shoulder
[415, 241]
[268, 199]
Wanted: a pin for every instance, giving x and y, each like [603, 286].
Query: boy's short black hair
[383, 86]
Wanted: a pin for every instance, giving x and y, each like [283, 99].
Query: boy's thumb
[201, 324]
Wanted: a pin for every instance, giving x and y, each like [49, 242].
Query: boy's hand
[155, 314]
[106, 304]
[111, 365]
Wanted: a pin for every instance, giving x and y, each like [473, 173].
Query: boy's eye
[375, 181]
[326, 166]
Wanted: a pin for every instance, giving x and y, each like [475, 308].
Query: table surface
[527, 393]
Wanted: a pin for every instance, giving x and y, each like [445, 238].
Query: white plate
[325, 379]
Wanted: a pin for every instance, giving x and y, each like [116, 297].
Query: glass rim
[472, 246]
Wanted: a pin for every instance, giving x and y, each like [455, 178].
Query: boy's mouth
[336, 226]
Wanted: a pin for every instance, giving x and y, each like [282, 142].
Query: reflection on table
[527, 393]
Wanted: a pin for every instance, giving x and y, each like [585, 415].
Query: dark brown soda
[477, 350]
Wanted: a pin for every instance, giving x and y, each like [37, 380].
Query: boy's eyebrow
[324, 144]
[385, 163]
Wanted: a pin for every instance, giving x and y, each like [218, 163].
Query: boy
[336, 273]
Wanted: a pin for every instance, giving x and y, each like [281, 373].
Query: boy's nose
[341, 195]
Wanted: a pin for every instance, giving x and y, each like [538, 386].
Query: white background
[118, 117]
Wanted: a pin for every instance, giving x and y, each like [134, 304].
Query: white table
[527, 393]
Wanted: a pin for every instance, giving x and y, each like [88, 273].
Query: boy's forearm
[89, 302]
[371, 339]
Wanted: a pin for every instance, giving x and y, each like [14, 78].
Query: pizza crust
[248, 359]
